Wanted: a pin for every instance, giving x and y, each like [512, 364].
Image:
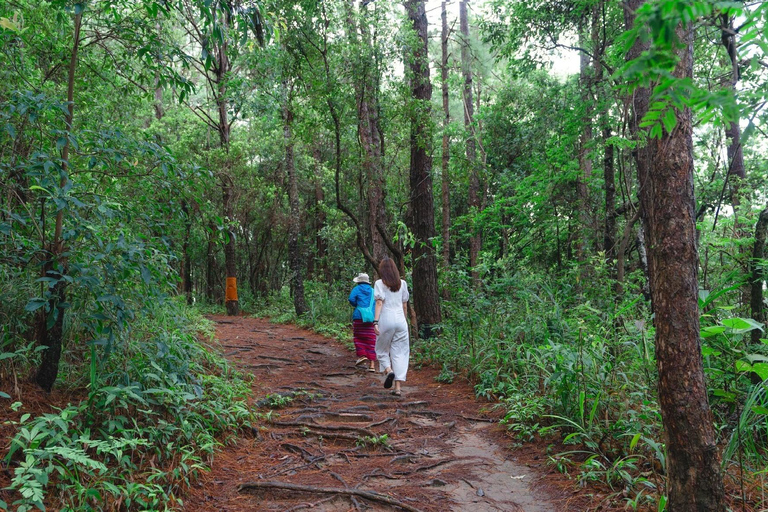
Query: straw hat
[362, 278]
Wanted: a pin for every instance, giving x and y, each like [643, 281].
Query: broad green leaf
[712, 330]
[725, 395]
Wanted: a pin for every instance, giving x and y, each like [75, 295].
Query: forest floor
[341, 442]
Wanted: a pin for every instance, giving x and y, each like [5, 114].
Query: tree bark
[210, 263]
[609, 176]
[227, 184]
[667, 200]
[230, 296]
[50, 334]
[585, 138]
[186, 274]
[758, 274]
[294, 223]
[425, 292]
[471, 150]
[736, 170]
[446, 155]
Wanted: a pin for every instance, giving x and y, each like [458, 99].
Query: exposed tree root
[372, 496]
[363, 431]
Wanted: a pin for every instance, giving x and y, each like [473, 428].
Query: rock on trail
[330, 438]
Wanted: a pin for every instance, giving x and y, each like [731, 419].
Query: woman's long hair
[389, 274]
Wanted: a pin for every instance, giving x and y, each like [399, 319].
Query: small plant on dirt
[523, 415]
[446, 375]
[373, 441]
[276, 400]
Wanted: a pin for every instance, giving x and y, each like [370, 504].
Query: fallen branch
[372, 496]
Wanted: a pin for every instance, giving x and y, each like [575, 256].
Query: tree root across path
[327, 436]
[372, 496]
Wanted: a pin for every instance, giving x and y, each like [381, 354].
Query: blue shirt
[360, 296]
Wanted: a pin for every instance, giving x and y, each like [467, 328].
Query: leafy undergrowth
[140, 434]
[329, 311]
[574, 369]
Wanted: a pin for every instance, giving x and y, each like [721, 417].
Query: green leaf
[759, 409]
[741, 325]
[634, 441]
[670, 120]
[709, 351]
[761, 369]
[35, 304]
[712, 330]
[4, 395]
[743, 366]
[725, 395]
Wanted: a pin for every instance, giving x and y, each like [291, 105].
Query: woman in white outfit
[392, 345]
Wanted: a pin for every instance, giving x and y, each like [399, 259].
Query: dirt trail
[442, 453]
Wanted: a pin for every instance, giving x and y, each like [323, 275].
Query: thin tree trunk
[230, 296]
[621, 253]
[446, 197]
[469, 113]
[294, 225]
[186, 274]
[758, 274]
[736, 168]
[425, 292]
[227, 183]
[209, 264]
[57, 264]
[585, 139]
[609, 176]
[667, 200]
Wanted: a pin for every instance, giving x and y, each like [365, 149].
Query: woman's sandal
[361, 360]
[371, 369]
[389, 380]
[397, 393]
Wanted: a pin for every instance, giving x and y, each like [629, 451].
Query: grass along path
[330, 437]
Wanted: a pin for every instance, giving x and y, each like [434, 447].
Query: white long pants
[393, 348]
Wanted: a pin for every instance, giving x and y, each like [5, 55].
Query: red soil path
[443, 450]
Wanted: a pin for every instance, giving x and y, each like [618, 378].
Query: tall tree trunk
[736, 170]
[210, 263]
[425, 292]
[609, 177]
[446, 155]
[469, 114]
[50, 334]
[227, 184]
[294, 223]
[321, 246]
[186, 273]
[230, 295]
[758, 274]
[666, 196]
[585, 139]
